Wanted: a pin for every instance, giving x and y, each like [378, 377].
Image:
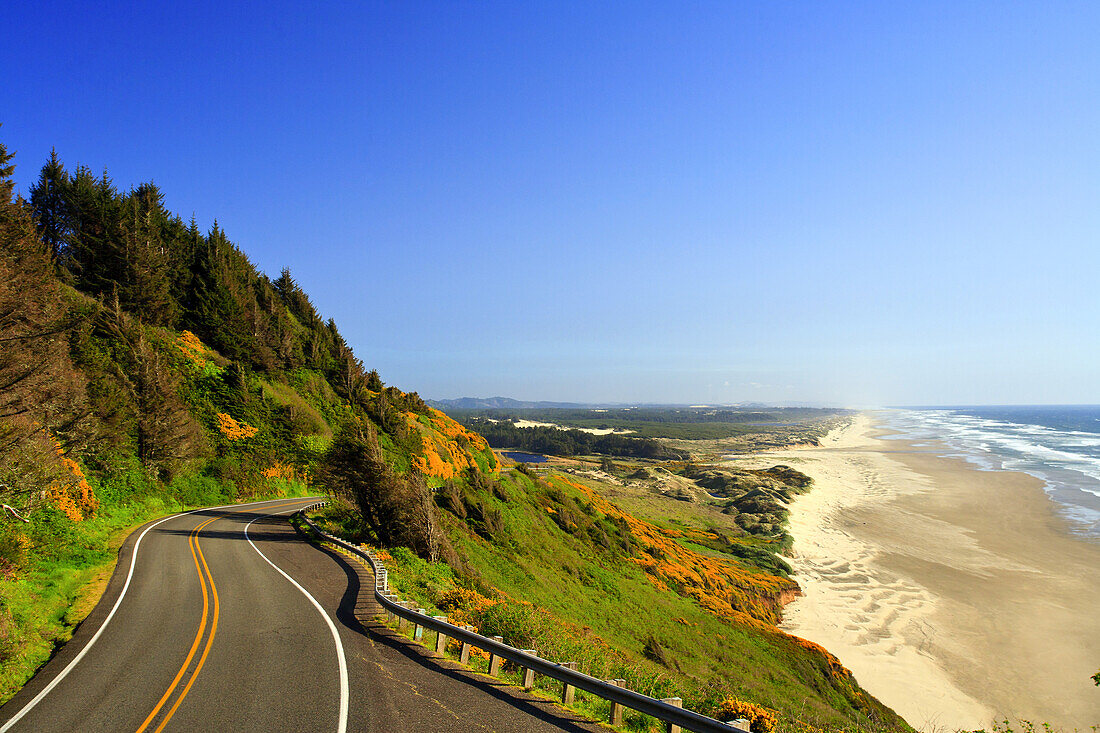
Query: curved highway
[226, 619]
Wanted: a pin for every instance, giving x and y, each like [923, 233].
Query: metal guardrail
[666, 712]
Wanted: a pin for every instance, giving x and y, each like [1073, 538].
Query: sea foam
[1059, 445]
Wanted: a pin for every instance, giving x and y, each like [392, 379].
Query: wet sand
[955, 595]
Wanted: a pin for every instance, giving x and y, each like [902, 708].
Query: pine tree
[7, 168]
[95, 241]
[48, 202]
[145, 286]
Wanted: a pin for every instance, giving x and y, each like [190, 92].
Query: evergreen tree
[145, 287]
[94, 236]
[213, 313]
[398, 510]
[7, 168]
[48, 202]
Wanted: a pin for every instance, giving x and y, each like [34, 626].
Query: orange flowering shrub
[234, 430]
[382, 556]
[193, 348]
[63, 502]
[280, 470]
[761, 720]
[723, 587]
[463, 599]
[449, 449]
[75, 498]
[431, 464]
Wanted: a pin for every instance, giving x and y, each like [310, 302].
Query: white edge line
[133, 562]
[342, 725]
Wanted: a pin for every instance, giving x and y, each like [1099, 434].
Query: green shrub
[198, 490]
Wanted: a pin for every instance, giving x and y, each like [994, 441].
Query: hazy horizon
[848, 204]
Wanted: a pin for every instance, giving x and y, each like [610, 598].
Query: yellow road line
[204, 577]
[198, 635]
[209, 640]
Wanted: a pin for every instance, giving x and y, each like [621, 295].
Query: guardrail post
[617, 708]
[402, 622]
[418, 630]
[464, 655]
[567, 690]
[741, 724]
[494, 660]
[440, 637]
[528, 673]
[676, 703]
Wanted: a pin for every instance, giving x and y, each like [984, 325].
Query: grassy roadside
[564, 571]
[66, 566]
[417, 580]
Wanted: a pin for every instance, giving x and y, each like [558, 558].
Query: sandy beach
[956, 596]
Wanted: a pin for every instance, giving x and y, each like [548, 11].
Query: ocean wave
[1067, 461]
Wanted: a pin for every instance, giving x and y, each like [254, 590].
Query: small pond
[524, 457]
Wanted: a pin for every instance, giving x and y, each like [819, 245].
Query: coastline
[954, 595]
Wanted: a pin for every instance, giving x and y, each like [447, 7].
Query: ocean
[1058, 444]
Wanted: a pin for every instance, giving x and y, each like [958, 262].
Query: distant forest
[566, 443]
[678, 423]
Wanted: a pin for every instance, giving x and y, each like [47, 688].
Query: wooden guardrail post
[617, 708]
[676, 703]
[528, 673]
[494, 660]
[418, 630]
[567, 690]
[464, 655]
[402, 622]
[440, 637]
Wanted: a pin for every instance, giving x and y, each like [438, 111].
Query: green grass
[576, 600]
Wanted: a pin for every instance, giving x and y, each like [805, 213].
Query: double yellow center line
[204, 578]
[208, 596]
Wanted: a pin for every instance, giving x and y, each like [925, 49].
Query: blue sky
[853, 203]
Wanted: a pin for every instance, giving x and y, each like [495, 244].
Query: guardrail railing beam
[673, 715]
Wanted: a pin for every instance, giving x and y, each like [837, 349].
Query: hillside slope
[147, 367]
[548, 562]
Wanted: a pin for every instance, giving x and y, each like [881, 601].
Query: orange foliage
[724, 587]
[448, 447]
[84, 503]
[63, 502]
[234, 430]
[280, 470]
[430, 464]
[463, 605]
[193, 348]
[837, 669]
[761, 720]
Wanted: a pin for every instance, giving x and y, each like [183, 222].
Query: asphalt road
[211, 629]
